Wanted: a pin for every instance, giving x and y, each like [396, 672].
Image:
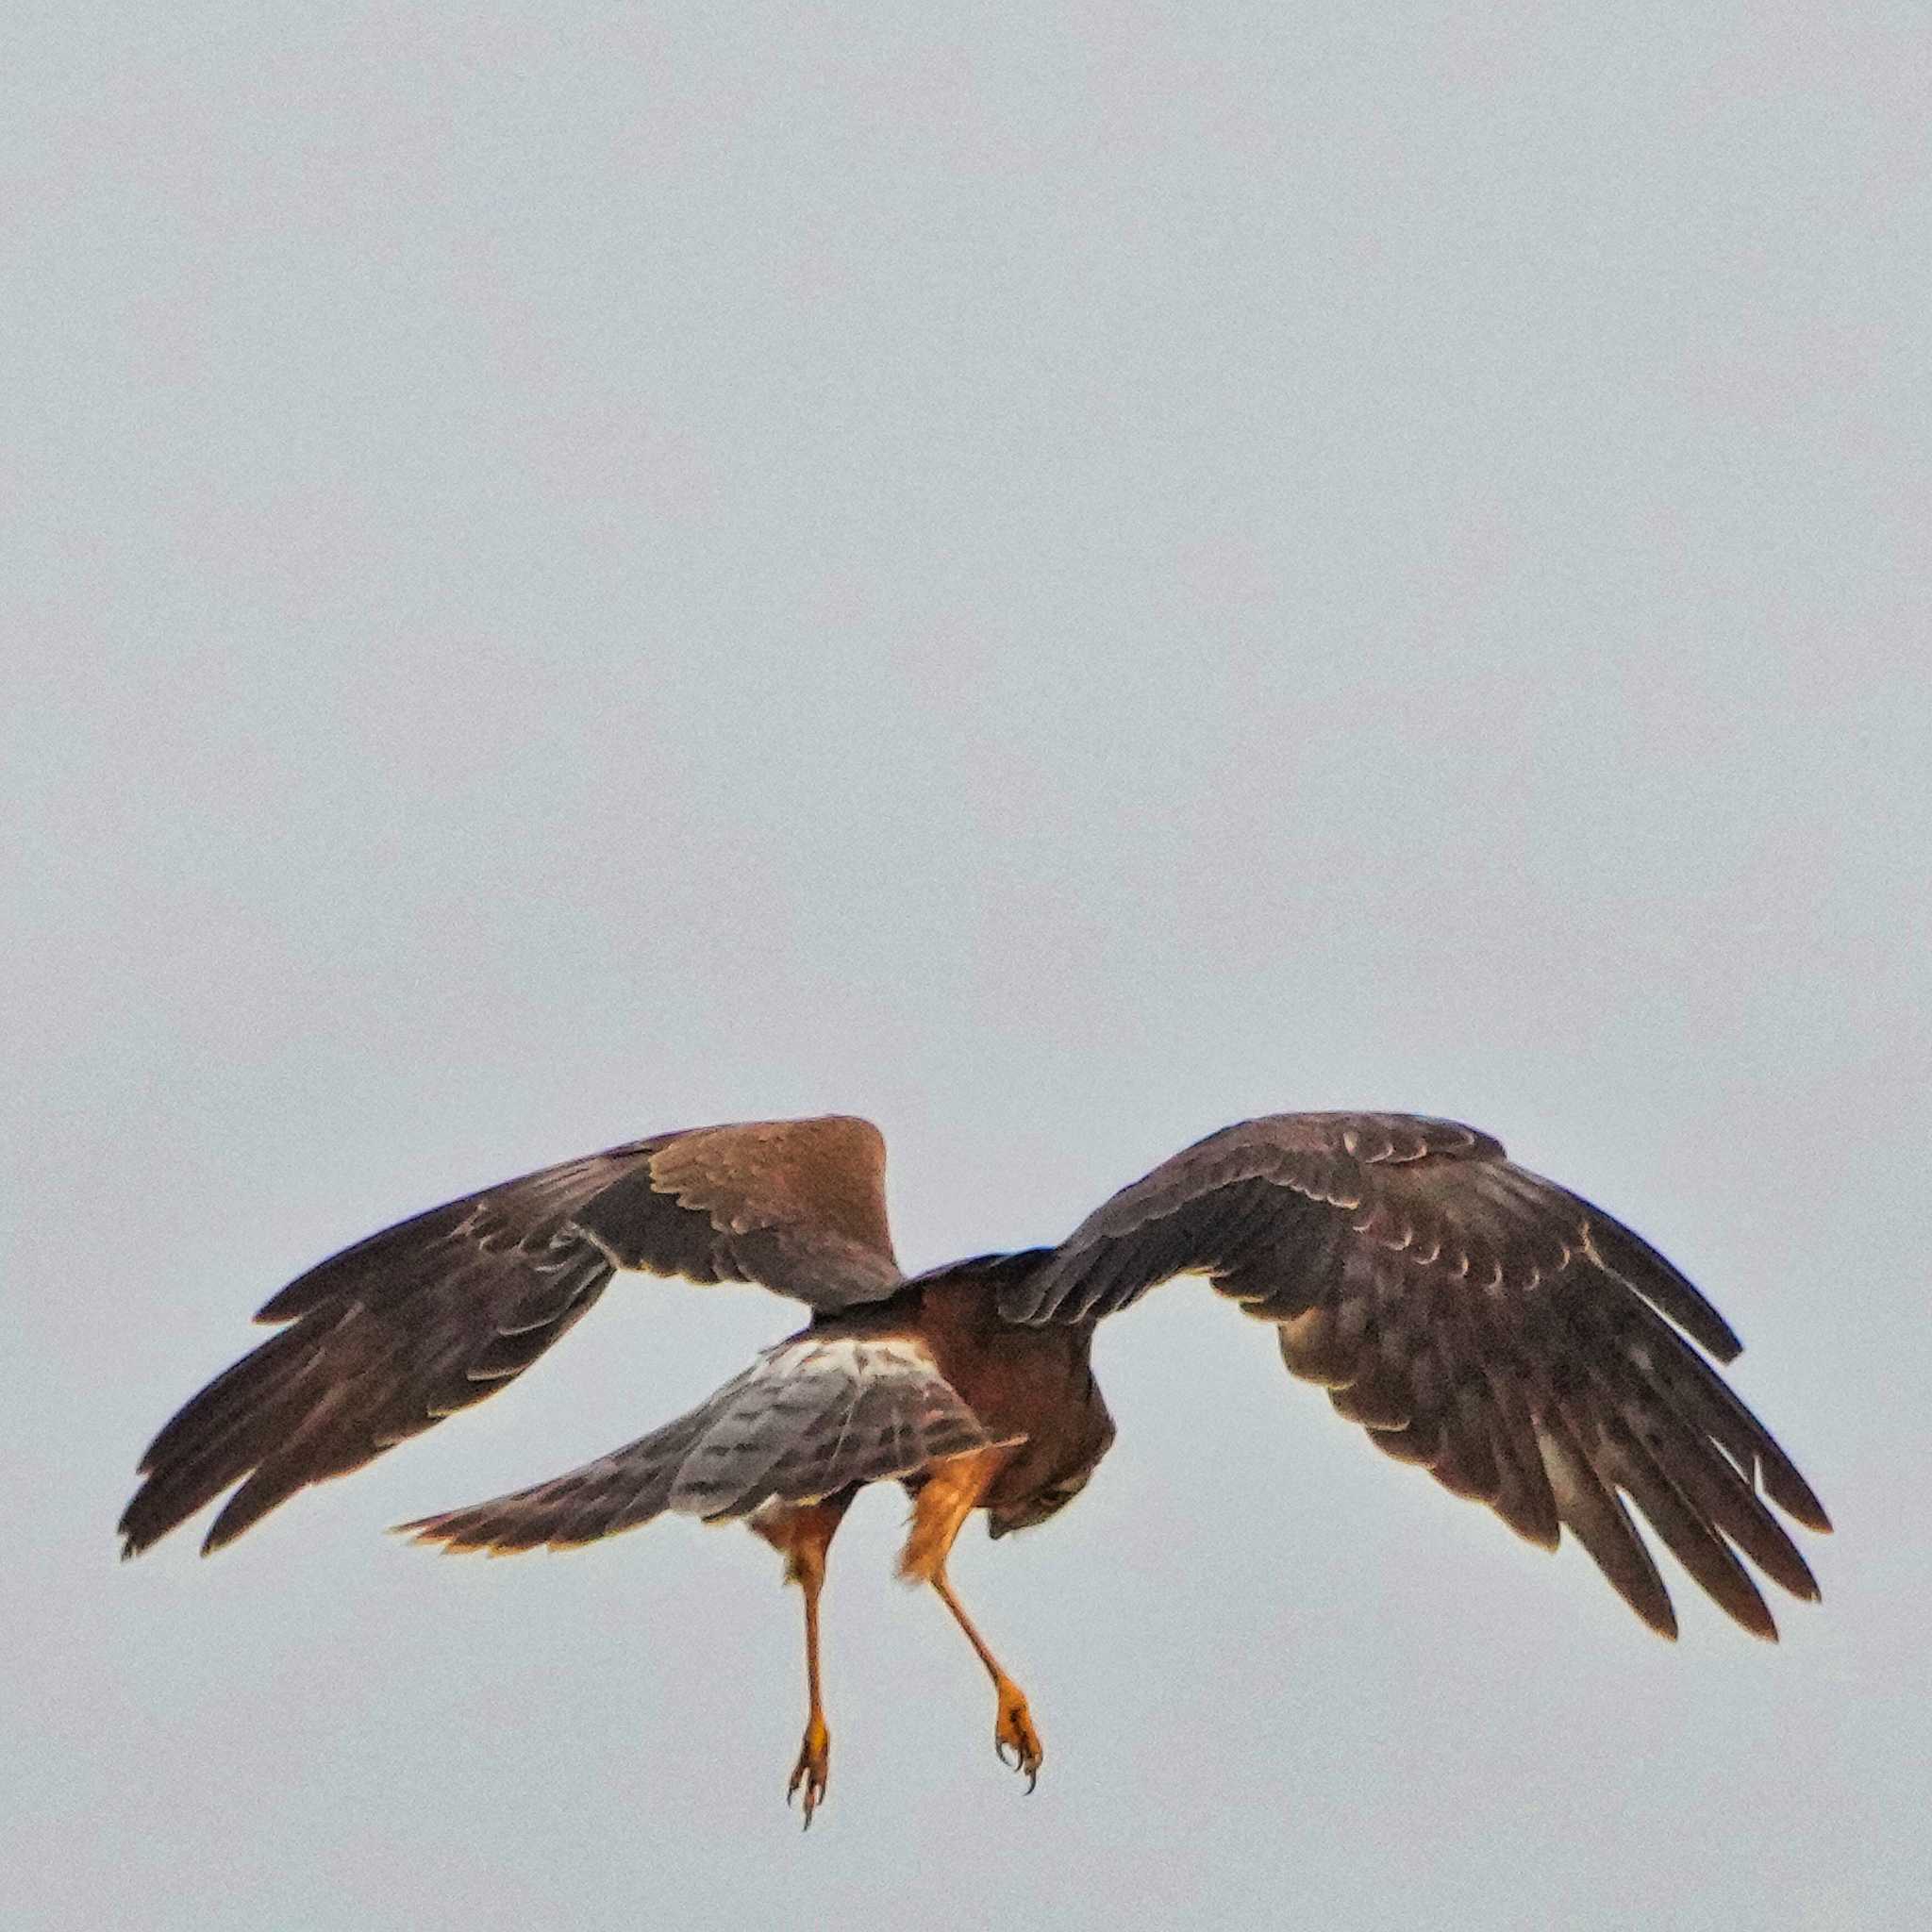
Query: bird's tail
[816, 1415]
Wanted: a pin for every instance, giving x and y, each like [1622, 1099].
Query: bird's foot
[1013, 1731]
[810, 1773]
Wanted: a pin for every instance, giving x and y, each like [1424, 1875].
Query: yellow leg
[814, 1765]
[948, 1497]
[1012, 1728]
[803, 1535]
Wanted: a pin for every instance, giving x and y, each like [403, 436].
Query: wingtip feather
[1794, 1494]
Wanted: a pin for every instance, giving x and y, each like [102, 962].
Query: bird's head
[1037, 1507]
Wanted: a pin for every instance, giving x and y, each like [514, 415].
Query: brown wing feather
[433, 1315]
[1479, 1322]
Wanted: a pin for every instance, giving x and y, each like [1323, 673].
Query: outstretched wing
[389, 1336]
[814, 1416]
[1483, 1322]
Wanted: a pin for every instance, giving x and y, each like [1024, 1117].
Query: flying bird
[1507, 1336]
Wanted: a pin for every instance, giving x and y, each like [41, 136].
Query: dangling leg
[948, 1497]
[1013, 1724]
[802, 1534]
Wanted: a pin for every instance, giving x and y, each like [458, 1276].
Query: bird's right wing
[387, 1337]
[1528, 1349]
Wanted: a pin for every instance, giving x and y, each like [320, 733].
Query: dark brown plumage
[1525, 1348]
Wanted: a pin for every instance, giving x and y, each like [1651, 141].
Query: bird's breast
[1021, 1381]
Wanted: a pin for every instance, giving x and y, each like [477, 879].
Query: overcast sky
[1056, 577]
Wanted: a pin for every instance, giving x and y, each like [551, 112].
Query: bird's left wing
[1481, 1322]
[389, 1336]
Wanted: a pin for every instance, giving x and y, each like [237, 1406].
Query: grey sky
[1054, 576]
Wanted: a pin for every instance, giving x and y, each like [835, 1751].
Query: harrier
[1477, 1321]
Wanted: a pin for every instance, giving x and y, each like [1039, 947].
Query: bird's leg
[948, 1497]
[802, 1536]
[1012, 1728]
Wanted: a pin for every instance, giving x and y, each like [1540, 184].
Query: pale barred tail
[813, 1416]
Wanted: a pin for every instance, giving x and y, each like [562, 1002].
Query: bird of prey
[1477, 1321]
